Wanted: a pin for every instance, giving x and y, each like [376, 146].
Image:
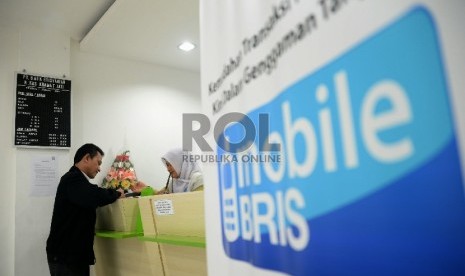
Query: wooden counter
[153, 235]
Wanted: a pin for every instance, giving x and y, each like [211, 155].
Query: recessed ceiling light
[186, 46]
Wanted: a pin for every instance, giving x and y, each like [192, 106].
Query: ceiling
[141, 30]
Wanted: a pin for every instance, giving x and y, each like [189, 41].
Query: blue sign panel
[367, 180]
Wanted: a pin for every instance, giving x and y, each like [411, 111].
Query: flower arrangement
[121, 174]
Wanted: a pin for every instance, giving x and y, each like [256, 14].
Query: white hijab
[184, 166]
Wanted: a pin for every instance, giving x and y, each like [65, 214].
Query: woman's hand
[163, 191]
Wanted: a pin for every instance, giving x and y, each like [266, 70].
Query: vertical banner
[337, 148]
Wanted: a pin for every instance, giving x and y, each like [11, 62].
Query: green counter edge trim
[176, 240]
[117, 235]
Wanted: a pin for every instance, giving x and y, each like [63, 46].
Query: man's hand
[122, 193]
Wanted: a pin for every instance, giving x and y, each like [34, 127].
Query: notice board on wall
[43, 111]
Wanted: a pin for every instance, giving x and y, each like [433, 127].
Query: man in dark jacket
[70, 243]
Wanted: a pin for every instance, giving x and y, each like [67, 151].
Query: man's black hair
[90, 149]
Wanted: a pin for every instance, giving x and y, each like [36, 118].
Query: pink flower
[128, 175]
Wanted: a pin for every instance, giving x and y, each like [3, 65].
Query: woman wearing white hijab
[184, 172]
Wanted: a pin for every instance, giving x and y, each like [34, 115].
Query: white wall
[48, 53]
[9, 41]
[121, 104]
[25, 219]
[116, 104]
